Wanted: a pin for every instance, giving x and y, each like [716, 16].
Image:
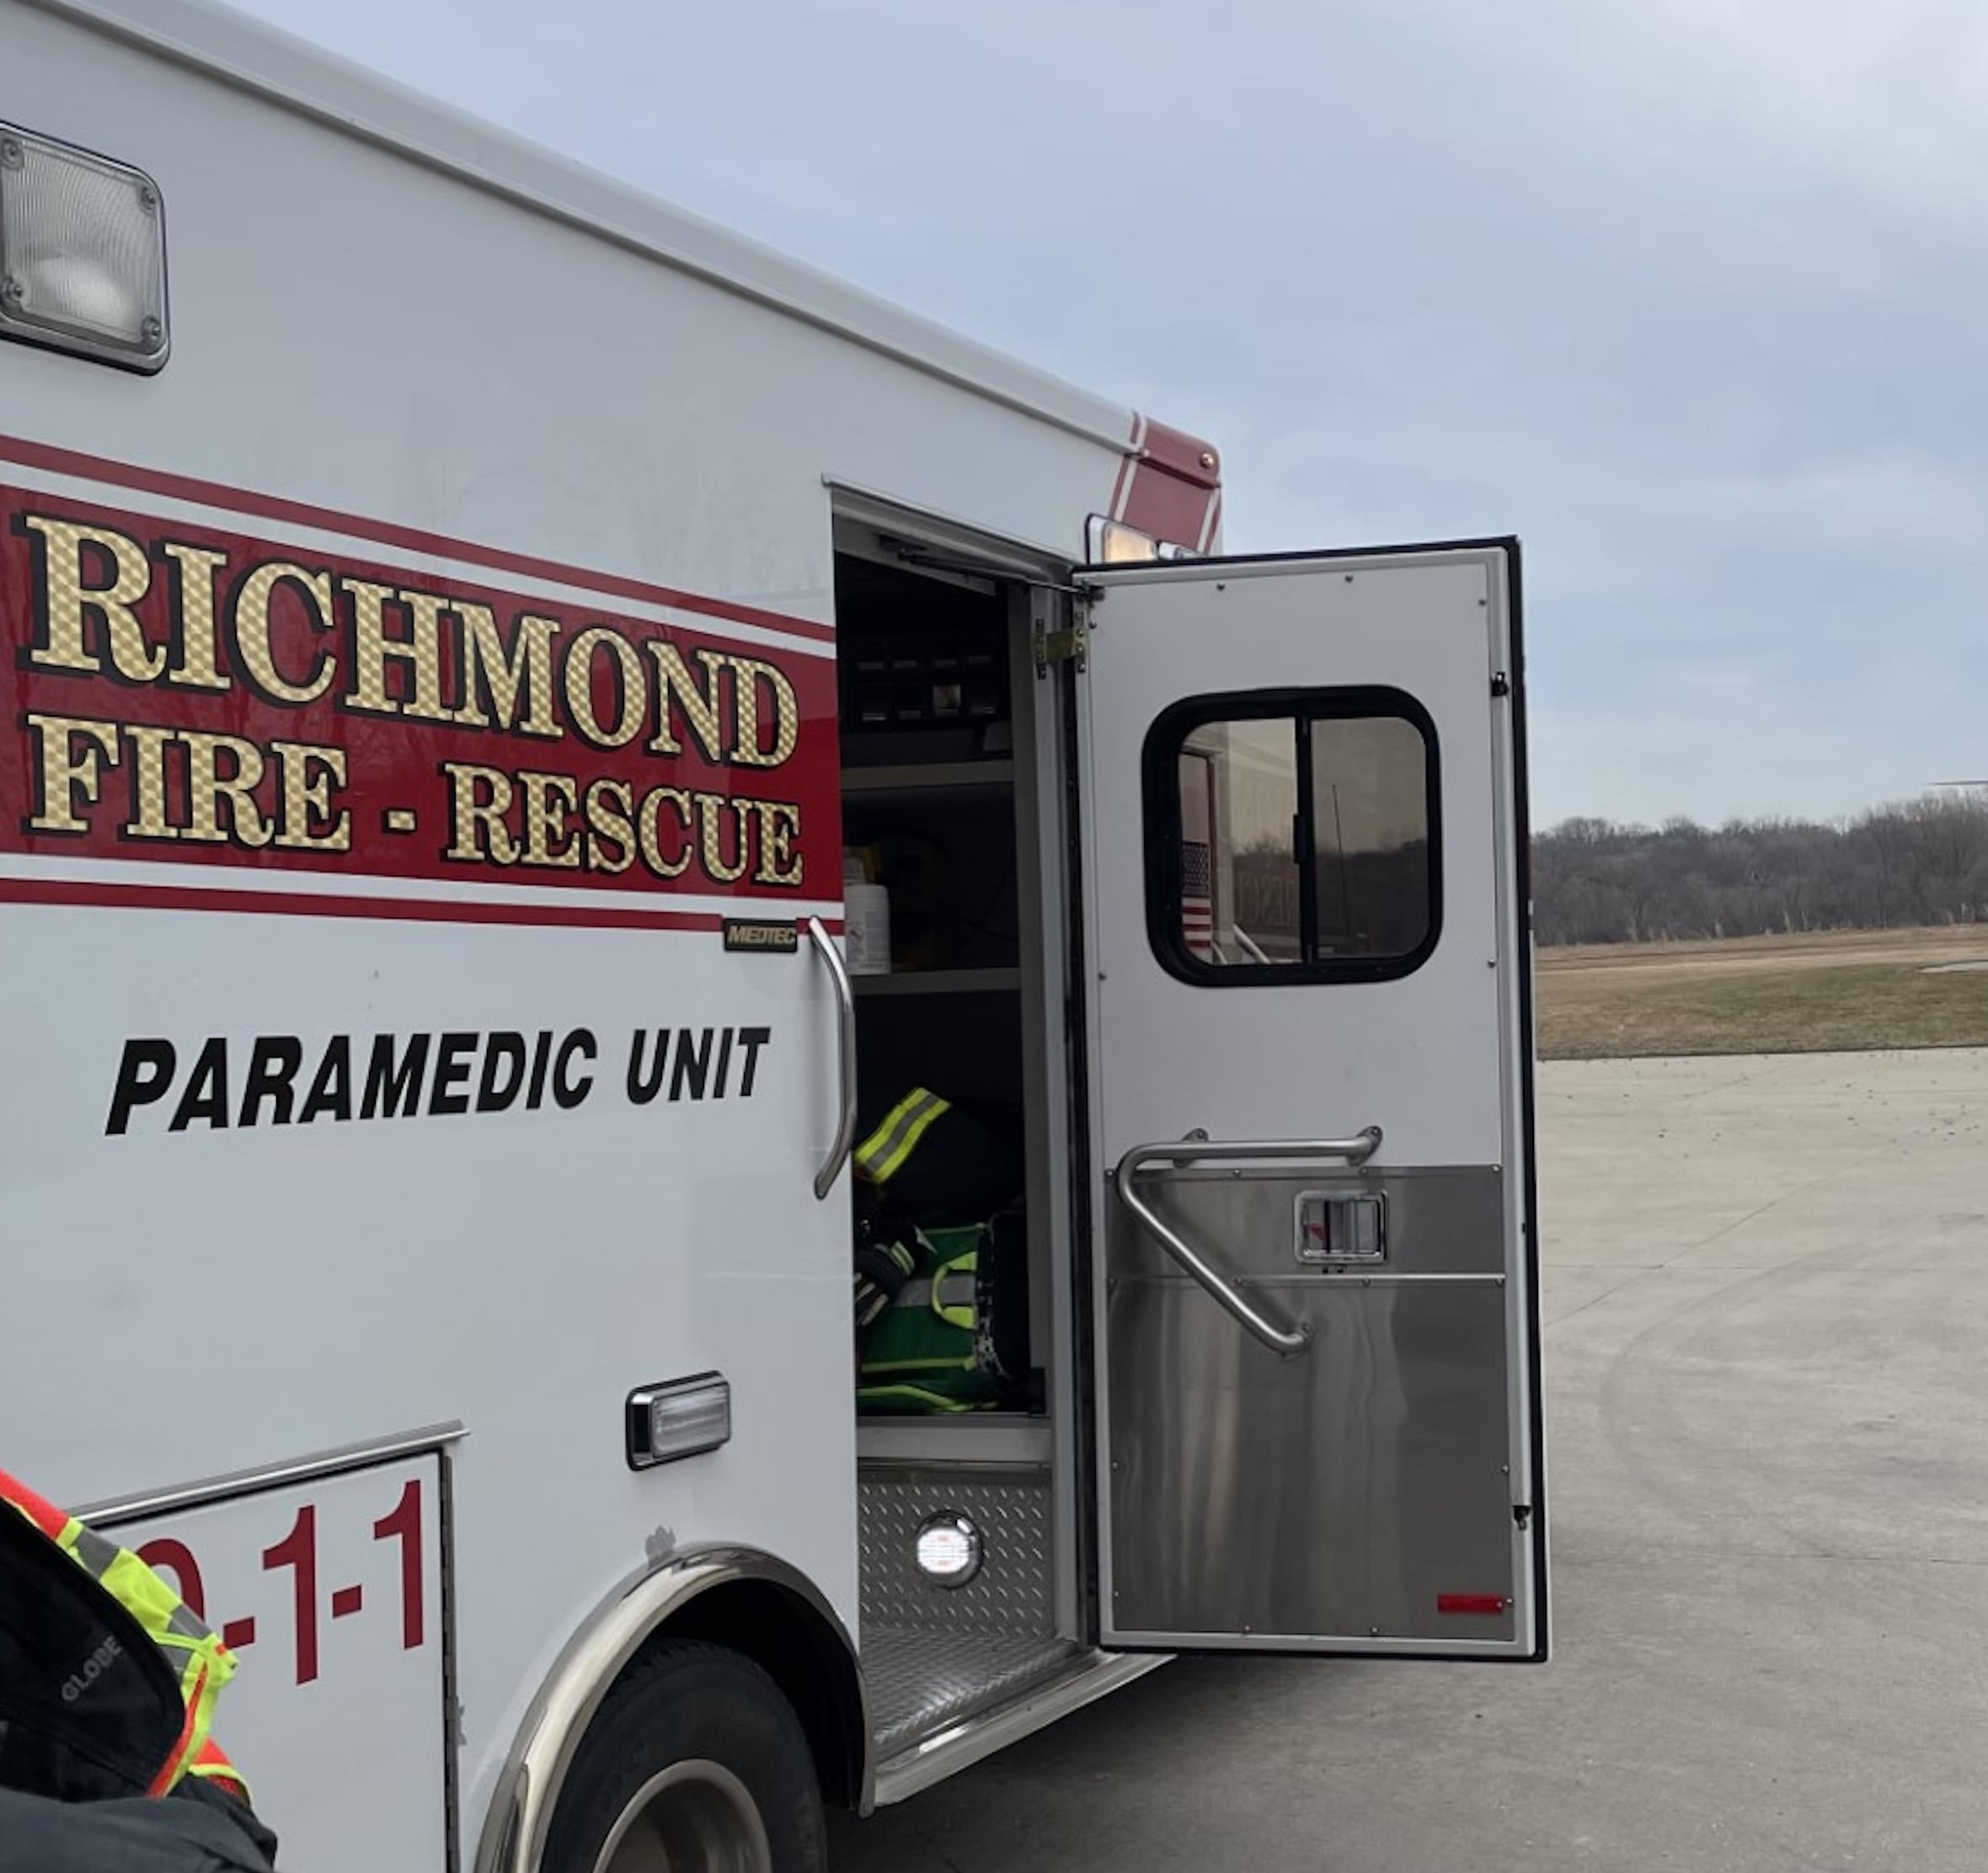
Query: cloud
[1724, 738]
[1685, 292]
[1900, 502]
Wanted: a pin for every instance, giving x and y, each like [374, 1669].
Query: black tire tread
[647, 1722]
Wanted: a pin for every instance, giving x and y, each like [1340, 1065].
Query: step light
[949, 1548]
[83, 253]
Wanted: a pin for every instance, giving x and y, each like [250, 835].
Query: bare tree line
[1917, 862]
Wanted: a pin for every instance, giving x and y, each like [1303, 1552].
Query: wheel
[695, 1765]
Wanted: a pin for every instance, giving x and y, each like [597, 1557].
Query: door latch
[1335, 1228]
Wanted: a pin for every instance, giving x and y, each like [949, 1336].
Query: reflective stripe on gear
[883, 1154]
[955, 1291]
[211, 1765]
[202, 1664]
[951, 1296]
[38, 1509]
[881, 1271]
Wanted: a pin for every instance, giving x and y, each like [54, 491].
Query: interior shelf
[915, 982]
[956, 777]
[971, 1437]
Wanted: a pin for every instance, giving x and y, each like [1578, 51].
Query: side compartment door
[1316, 1326]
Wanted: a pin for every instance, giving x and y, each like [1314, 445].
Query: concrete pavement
[1766, 1286]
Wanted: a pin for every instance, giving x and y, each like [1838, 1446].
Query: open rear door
[1316, 1328]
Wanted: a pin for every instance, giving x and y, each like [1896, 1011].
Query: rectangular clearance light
[683, 1418]
[83, 253]
[1113, 544]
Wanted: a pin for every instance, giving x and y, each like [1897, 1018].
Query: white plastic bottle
[866, 916]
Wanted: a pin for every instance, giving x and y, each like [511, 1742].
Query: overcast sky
[1690, 294]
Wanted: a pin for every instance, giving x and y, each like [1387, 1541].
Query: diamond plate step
[920, 1682]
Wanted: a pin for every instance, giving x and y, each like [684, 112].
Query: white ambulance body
[459, 614]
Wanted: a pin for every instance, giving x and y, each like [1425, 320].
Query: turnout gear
[108, 1679]
[887, 1149]
[941, 1291]
[930, 1162]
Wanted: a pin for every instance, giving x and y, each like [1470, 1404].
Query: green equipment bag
[955, 1335]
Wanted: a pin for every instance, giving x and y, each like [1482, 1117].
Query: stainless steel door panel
[1335, 1496]
[1341, 1496]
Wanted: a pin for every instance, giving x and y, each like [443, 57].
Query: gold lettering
[610, 810]
[372, 646]
[480, 831]
[523, 675]
[716, 865]
[748, 673]
[649, 830]
[307, 798]
[677, 689]
[629, 684]
[779, 827]
[423, 651]
[251, 630]
[549, 800]
[67, 601]
[64, 768]
[197, 667]
[367, 689]
[148, 747]
[207, 787]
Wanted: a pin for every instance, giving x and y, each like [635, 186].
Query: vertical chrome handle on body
[845, 1138]
[1287, 1343]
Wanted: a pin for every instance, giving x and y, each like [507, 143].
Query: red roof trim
[1169, 486]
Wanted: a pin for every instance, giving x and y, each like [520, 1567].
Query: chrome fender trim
[513, 1836]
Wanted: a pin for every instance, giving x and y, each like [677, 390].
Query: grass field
[1841, 992]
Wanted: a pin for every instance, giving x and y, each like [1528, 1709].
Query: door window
[1292, 837]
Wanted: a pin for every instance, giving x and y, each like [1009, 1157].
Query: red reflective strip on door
[1483, 1606]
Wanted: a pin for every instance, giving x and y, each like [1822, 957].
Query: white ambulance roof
[261, 58]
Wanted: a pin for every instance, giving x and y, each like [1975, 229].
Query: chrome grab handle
[1287, 1343]
[845, 1139]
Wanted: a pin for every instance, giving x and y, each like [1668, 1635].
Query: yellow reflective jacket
[201, 1663]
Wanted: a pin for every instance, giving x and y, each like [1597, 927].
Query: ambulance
[479, 642]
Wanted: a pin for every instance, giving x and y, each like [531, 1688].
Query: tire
[694, 1764]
